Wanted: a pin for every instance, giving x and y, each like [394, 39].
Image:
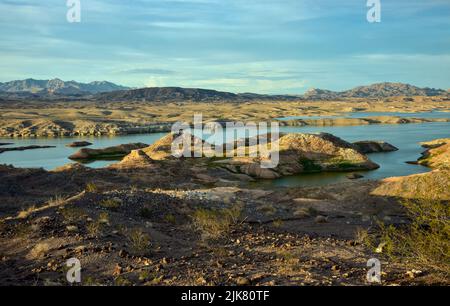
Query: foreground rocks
[109, 152]
[175, 226]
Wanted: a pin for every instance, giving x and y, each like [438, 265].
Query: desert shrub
[425, 241]
[278, 222]
[57, 200]
[39, 250]
[91, 187]
[213, 223]
[146, 212]
[95, 228]
[139, 241]
[267, 209]
[73, 214]
[26, 212]
[170, 218]
[112, 204]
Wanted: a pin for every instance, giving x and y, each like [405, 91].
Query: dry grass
[112, 204]
[23, 214]
[425, 241]
[213, 223]
[39, 250]
[139, 241]
[73, 214]
[91, 187]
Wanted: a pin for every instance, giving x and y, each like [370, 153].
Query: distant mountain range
[161, 94]
[379, 90]
[57, 89]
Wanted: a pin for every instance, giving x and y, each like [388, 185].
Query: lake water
[54, 157]
[430, 115]
[406, 137]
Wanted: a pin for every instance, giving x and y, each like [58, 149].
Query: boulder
[106, 153]
[368, 146]
[354, 176]
[78, 144]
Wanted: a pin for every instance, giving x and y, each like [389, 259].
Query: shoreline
[166, 127]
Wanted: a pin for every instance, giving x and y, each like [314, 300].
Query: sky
[276, 47]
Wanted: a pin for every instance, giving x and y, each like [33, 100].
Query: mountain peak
[376, 90]
[58, 86]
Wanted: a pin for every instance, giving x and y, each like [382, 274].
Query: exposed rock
[321, 219]
[136, 158]
[242, 281]
[354, 176]
[77, 144]
[368, 146]
[109, 152]
[25, 148]
[437, 155]
[434, 184]
[254, 170]
[303, 153]
[162, 149]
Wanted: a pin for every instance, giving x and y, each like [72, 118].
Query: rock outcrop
[368, 146]
[162, 149]
[298, 153]
[106, 153]
[77, 144]
[137, 158]
[437, 155]
[33, 147]
[303, 153]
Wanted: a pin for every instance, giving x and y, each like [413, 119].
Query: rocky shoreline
[152, 219]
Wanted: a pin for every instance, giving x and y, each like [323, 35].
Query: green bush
[213, 223]
[425, 241]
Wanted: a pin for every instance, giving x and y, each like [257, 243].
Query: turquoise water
[406, 137]
[430, 115]
[54, 157]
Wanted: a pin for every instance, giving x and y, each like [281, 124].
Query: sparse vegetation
[91, 187]
[425, 241]
[170, 218]
[73, 214]
[25, 212]
[95, 228]
[39, 250]
[139, 241]
[111, 204]
[145, 212]
[215, 222]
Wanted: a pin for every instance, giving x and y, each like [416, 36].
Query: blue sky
[277, 46]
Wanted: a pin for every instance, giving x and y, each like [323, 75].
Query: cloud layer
[284, 46]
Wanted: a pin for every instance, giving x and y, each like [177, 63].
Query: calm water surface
[406, 137]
